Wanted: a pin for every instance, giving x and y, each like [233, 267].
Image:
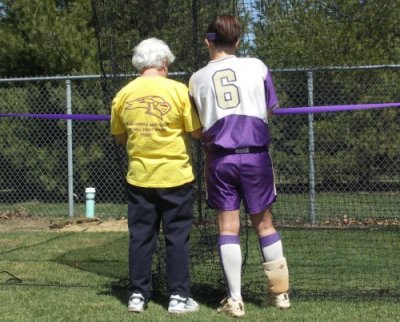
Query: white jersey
[232, 96]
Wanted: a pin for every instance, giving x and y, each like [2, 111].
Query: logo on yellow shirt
[154, 105]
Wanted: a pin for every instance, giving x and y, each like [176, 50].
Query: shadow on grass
[108, 256]
[120, 293]
[204, 294]
[354, 295]
[25, 247]
[210, 295]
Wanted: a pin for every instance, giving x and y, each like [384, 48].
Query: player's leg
[269, 239]
[176, 207]
[259, 193]
[230, 252]
[143, 223]
[223, 195]
[231, 261]
[275, 265]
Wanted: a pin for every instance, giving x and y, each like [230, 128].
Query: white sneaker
[281, 301]
[136, 303]
[179, 304]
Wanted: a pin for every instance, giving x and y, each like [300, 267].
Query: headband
[212, 36]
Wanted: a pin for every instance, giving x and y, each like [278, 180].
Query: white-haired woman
[152, 116]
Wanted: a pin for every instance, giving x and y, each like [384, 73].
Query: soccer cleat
[179, 304]
[231, 307]
[136, 303]
[280, 301]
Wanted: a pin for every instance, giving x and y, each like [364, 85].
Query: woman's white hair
[151, 53]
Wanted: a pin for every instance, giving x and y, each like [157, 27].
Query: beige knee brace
[278, 276]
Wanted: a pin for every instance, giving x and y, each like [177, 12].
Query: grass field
[289, 206]
[339, 271]
[336, 275]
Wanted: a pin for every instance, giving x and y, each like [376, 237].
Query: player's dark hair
[224, 30]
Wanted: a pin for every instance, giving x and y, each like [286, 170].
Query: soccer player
[151, 116]
[235, 98]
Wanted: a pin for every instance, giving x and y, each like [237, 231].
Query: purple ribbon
[332, 108]
[280, 111]
[77, 117]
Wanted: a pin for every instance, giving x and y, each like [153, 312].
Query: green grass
[57, 210]
[289, 206]
[336, 275]
[96, 304]
[330, 205]
[340, 262]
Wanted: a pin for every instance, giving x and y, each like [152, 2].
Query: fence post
[311, 150]
[69, 150]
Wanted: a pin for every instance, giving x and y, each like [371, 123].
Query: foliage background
[76, 37]
[351, 252]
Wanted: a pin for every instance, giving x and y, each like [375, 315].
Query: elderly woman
[152, 116]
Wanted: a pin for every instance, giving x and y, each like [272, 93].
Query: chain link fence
[38, 168]
[337, 174]
[329, 165]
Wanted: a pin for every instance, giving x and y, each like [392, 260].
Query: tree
[40, 38]
[182, 24]
[302, 33]
[313, 33]
[46, 37]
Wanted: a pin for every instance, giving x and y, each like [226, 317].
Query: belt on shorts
[253, 149]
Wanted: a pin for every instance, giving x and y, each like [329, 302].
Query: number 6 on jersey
[226, 92]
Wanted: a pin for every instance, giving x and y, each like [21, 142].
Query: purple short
[236, 177]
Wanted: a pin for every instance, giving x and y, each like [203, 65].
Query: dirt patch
[92, 225]
[24, 224]
[20, 220]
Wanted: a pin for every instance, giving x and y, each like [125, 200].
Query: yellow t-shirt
[156, 113]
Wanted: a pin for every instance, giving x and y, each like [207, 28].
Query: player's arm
[196, 134]
[270, 95]
[191, 117]
[121, 139]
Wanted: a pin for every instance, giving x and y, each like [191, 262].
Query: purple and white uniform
[232, 96]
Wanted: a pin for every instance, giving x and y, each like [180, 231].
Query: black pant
[147, 208]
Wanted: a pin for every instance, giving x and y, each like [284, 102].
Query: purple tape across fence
[332, 108]
[280, 111]
[77, 117]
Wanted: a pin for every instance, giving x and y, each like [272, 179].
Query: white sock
[273, 252]
[231, 259]
[271, 247]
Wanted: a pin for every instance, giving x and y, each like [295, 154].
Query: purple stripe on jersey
[271, 99]
[228, 239]
[236, 131]
[269, 240]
